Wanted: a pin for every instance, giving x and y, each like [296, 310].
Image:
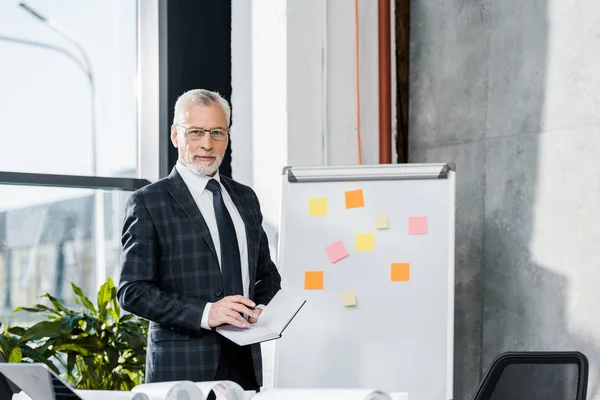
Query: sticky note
[313, 280]
[417, 225]
[400, 272]
[365, 242]
[336, 251]
[317, 207]
[355, 199]
[381, 221]
[349, 299]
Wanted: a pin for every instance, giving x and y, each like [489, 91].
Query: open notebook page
[272, 321]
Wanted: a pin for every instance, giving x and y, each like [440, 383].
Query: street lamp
[99, 234]
[47, 46]
[87, 68]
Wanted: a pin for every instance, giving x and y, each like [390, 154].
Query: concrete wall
[510, 90]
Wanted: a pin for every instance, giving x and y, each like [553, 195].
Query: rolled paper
[322, 394]
[110, 395]
[175, 390]
[222, 390]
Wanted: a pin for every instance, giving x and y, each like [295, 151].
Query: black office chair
[552, 375]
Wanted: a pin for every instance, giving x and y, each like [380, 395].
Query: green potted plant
[94, 347]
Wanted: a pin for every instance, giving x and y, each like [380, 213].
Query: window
[49, 238]
[69, 140]
[50, 87]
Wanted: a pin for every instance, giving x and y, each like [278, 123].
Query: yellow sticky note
[317, 207]
[313, 280]
[349, 299]
[381, 221]
[400, 272]
[365, 242]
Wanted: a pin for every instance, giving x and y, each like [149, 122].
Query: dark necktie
[231, 266]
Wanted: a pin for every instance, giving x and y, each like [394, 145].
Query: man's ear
[174, 135]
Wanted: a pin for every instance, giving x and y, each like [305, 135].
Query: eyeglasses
[217, 134]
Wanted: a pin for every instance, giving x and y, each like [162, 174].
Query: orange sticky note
[365, 242]
[355, 199]
[417, 225]
[313, 280]
[400, 272]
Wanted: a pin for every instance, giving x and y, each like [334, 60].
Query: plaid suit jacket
[170, 270]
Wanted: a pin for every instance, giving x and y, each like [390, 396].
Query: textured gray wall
[510, 91]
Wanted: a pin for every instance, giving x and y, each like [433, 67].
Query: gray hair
[199, 96]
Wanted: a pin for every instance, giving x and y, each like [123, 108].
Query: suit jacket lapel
[184, 198]
[251, 233]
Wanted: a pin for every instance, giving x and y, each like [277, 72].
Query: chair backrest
[556, 375]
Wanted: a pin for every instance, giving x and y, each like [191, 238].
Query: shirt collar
[193, 179]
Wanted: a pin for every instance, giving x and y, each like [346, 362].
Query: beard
[203, 167]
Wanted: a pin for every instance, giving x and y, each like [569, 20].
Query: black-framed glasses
[218, 134]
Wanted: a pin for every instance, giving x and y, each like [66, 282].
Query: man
[195, 256]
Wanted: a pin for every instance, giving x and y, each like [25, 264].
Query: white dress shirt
[196, 183]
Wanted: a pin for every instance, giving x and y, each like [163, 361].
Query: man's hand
[254, 320]
[228, 309]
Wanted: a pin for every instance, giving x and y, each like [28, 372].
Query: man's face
[202, 154]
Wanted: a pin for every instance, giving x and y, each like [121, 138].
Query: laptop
[37, 381]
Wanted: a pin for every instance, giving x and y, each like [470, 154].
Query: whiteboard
[398, 335]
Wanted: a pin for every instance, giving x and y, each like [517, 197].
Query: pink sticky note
[417, 225]
[336, 251]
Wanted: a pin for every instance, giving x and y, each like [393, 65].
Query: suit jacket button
[218, 293]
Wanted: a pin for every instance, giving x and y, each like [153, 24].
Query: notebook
[272, 321]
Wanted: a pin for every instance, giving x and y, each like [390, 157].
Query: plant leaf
[84, 300]
[16, 355]
[127, 317]
[113, 357]
[116, 309]
[113, 314]
[35, 309]
[36, 356]
[71, 358]
[72, 347]
[6, 344]
[43, 329]
[104, 296]
[70, 322]
[125, 382]
[90, 343]
[94, 347]
[17, 330]
[44, 348]
[89, 323]
[91, 372]
[133, 340]
[58, 306]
